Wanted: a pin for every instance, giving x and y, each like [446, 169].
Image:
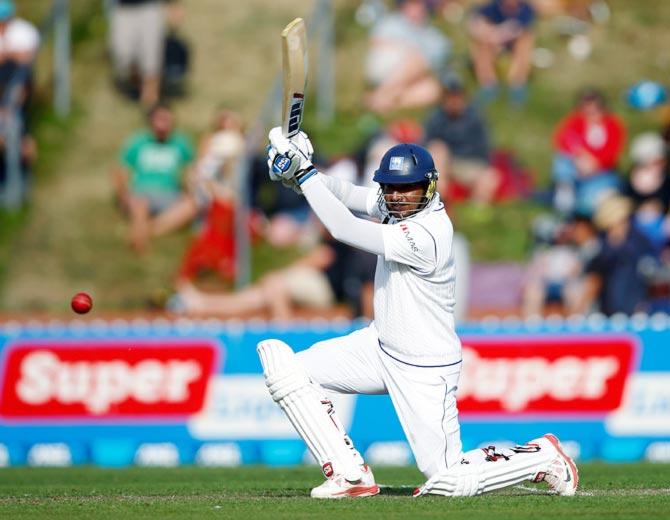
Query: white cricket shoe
[561, 475]
[339, 487]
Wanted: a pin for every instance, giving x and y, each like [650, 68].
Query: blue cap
[7, 9]
[645, 95]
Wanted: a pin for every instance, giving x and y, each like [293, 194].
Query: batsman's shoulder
[437, 222]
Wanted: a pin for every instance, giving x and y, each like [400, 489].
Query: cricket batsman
[410, 351]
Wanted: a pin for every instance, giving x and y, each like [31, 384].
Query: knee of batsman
[455, 482]
[285, 384]
[283, 373]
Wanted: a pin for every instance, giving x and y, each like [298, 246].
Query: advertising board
[164, 393]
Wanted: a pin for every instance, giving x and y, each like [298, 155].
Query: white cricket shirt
[415, 278]
[415, 284]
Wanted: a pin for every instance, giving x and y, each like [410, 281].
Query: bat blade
[294, 68]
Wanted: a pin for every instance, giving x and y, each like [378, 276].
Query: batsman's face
[403, 200]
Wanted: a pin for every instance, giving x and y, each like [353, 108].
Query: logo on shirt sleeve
[408, 237]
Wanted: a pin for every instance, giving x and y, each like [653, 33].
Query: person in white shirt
[410, 351]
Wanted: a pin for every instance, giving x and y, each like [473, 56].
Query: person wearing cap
[19, 42]
[588, 143]
[458, 139]
[403, 58]
[613, 277]
[19, 39]
[648, 186]
[502, 26]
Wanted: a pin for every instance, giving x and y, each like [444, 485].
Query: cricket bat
[294, 69]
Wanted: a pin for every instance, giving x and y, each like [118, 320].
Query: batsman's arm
[338, 220]
[356, 198]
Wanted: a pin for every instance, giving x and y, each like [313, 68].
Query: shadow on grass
[385, 491]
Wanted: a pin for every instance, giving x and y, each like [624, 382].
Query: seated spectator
[648, 186]
[150, 177]
[588, 144]
[614, 278]
[213, 176]
[329, 272]
[458, 139]
[212, 195]
[502, 26]
[137, 39]
[553, 266]
[405, 53]
[554, 280]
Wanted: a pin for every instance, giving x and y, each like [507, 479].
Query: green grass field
[607, 491]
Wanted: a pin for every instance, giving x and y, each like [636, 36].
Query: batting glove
[290, 159]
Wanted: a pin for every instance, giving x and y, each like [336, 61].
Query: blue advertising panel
[159, 392]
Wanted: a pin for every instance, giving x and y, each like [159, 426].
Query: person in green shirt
[149, 179]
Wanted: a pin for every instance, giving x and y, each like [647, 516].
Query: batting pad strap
[284, 384]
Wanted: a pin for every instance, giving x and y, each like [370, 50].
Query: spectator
[214, 195]
[149, 179]
[177, 54]
[614, 277]
[648, 187]
[502, 26]
[552, 269]
[588, 144]
[19, 42]
[138, 39]
[458, 139]
[405, 53]
[555, 278]
[315, 281]
[19, 39]
[213, 177]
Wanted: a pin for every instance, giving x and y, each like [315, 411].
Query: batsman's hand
[290, 159]
[292, 184]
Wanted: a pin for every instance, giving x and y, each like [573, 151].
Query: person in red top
[588, 143]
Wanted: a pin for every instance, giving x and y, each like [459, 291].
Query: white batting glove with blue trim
[290, 159]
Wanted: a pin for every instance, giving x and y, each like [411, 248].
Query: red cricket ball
[81, 303]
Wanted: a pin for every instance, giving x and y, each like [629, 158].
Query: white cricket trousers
[423, 397]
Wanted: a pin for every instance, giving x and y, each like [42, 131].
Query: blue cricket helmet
[405, 164]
